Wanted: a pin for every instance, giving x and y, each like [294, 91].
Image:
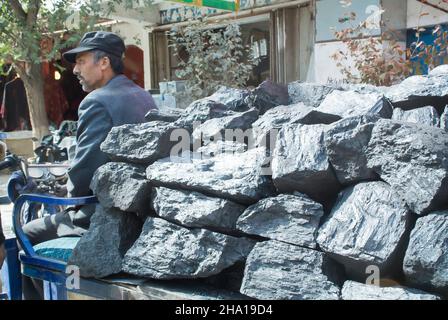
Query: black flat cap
[97, 40]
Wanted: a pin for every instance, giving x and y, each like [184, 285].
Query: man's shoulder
[122, 98]
[90, 101]
[102, 96]
[119, 81]
[92, 107]
[118, 87]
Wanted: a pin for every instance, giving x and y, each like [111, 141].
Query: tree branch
[32, 13]
[9, 34]
[20, 69]
[18, 9]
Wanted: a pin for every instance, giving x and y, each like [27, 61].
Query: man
[113, 100]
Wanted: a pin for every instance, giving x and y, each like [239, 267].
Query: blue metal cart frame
[51, 271]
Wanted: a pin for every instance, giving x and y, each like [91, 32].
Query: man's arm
[93, 126]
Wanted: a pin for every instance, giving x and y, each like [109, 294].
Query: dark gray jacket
[119, 102]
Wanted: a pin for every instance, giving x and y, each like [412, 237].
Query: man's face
[89, 73]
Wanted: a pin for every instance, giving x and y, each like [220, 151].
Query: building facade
[295, 38]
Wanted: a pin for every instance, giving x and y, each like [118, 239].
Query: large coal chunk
[280, 271]
[194, 209]
[143, 143]
[122, 186]
[300, 162]
[367, 226]
[426, 260]
[346, 142]
[362, 88]
[289, 218]
[267, 126]
[368, 148]
[311, 94]
[164, 115]
[444, 119]
[233, 98]
[238, 177]
[427, 116]
[219, 128]
[229, 279]
[100, 251]
[413, 159]
[221, 147]
[268, 95]
[419, 91]
[441, 70]
[351, 103]
[167, 251]
[359, 291]
[200, 111]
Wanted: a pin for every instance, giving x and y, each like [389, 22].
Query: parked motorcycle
[47, 179]
[46, 173]
[58, 146]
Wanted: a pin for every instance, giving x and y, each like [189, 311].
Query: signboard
[191, 11]
[228, 5]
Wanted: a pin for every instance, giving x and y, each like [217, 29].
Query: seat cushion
[59, 249]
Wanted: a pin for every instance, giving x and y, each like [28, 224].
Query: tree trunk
[34, 85]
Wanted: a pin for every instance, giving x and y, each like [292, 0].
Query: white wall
[323, 67]
[132, 34]
[136, 34]
[415, 9]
